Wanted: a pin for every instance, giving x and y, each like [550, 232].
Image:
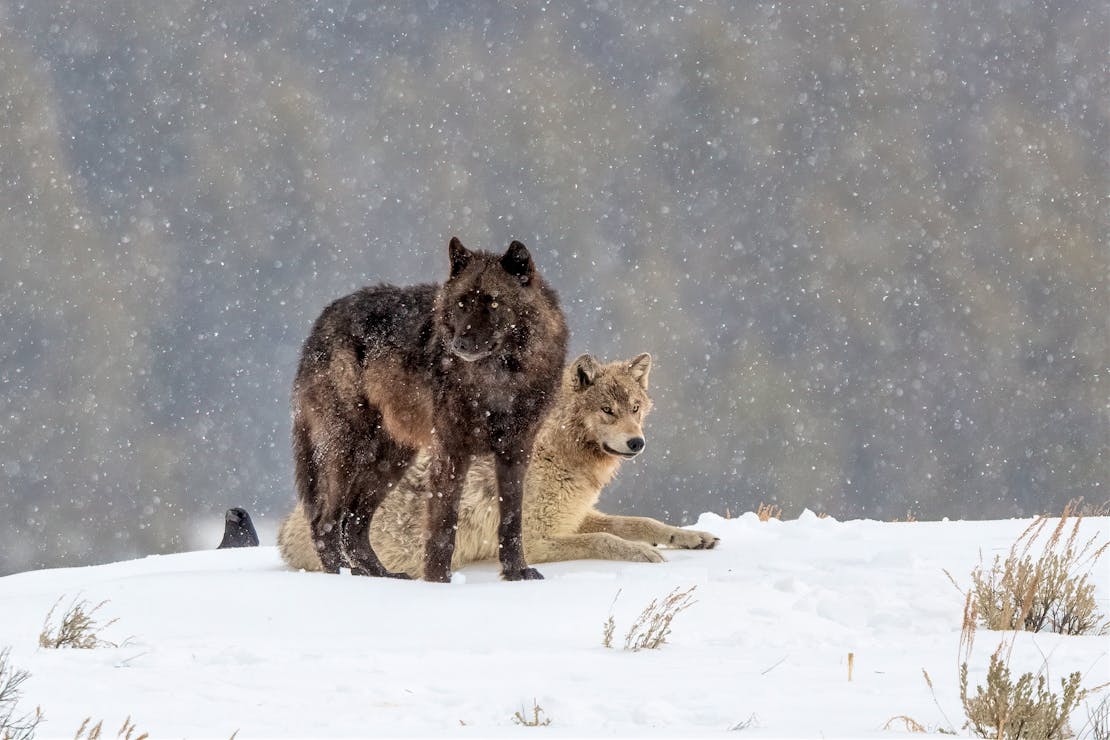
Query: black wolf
[462, 369]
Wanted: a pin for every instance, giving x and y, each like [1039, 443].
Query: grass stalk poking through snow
[78, 627]
[1097, 726]
[89, 731]
[768, 511]
[610, 625]
[651, 628]
[536, 720]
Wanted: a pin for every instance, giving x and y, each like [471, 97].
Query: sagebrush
[1037, 588]
[13, 725]
[1012, 708]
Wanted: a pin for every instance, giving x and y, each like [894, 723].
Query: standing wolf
[594, 424]
[462, 369]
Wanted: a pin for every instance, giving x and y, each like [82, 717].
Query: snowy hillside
[222, 641]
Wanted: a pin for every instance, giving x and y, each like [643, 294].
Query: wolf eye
[460, 304]
[608, 410]
[636, 409]
[493, 304]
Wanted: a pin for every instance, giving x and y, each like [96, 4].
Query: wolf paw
[525, 574]
[690, 539]
[645, 553]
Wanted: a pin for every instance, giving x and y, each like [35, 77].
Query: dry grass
[1080, 507]
[768, 511]
[536, 720]
[651, 628]
[933, 691]
[13, 726]
[1097, 726]
[751, 721]
[1011, 708]
[1036, 589]
[610, 625]
[78, 627]
[909, 724]
[89, 731]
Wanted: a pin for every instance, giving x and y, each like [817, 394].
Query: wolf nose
[635, 444]
[464, 344]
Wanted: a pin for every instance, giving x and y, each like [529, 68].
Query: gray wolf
[463, 369]
[595, 423]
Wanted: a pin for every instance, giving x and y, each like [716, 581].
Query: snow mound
[218, 641]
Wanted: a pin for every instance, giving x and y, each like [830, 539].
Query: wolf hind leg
[320, 510]
[379, 468]
[326, 533]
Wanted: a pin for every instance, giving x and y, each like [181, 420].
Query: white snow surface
[221, 641]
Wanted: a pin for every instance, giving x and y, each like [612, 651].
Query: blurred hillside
[867, 244]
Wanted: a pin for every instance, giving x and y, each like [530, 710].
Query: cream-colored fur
[595, 421]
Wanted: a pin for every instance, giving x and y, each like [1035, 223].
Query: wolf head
[609, 402]
[486, 299]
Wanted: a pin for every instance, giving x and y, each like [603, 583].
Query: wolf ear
[584, 371]
[640, 366]
[460, 256]
[517, 262]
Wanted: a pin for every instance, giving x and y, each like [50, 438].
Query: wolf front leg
[646, 529]
[510, 489]
[592, 546]
[446, 477]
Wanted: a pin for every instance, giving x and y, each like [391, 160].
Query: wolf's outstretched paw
[525, 574]
[691, 539]
[645, 553]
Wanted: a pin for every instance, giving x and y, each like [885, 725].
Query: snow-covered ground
[220, 641]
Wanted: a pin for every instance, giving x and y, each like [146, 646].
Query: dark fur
[383, 374]
[238, 530]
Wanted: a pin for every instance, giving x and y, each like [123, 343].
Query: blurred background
[867, 244]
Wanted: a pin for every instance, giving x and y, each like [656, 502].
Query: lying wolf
[595, 423]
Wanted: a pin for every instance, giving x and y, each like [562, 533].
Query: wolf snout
[630, 447]
[469, 348]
